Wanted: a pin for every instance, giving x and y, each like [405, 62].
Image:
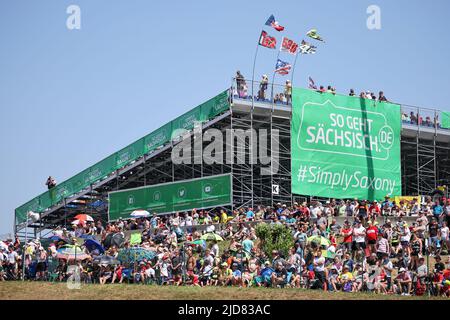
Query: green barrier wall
[171, 197]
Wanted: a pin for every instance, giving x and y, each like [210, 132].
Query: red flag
[289, 46]
[267, 41]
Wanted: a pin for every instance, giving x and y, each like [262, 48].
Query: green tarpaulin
[171, 197]
[445, 121]
[344, 147]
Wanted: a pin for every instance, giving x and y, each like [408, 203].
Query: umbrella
[140, 214]
[132, 255]
[198, 242]
[3, 245]
[58, 240]
[71, 252]
[211, 236]
[84, 217]
[322, 241]
[115, 239]
[328, 254]
[108, 260]
[92, 245]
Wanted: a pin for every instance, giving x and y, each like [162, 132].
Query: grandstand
[425, 158]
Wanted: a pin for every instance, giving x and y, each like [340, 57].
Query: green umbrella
[210, 236]
[322, 241]
[328, 254]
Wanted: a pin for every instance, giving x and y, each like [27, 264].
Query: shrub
[274, 237]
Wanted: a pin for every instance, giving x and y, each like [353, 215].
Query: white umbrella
[75, 222]
[140, 214]
[3, 245]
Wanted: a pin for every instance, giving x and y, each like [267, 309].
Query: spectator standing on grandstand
[381, 96]
[50, 183]
[288, 91]
[352, 93]
[263, 87]
[241, 85]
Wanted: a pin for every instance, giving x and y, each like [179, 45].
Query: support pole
[253, 73]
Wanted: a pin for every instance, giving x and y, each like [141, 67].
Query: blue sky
[68, 98]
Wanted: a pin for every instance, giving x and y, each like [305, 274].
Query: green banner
[344, 147]
[158, 138]
[445, 120]
[215, 106]
[170, 197]
[130, 153]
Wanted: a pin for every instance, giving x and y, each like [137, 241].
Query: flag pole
[293, 69]
[253, 72]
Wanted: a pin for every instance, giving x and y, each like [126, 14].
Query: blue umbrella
[92, 245]
[58, 240]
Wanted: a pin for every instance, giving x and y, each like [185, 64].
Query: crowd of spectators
[374, 250]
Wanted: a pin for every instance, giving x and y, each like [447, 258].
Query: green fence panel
[130, 153]
[169, 197]
[186, 121]
[445, 120]
[22, 211]
[215, 106]
[102, 169]
[59, 192]
[158, 138]
[45, 201]
[78, 182]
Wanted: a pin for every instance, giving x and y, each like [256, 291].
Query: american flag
[282, 67]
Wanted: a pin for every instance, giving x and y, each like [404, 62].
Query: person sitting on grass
[403, 282]
[345, 279]
[279, 276]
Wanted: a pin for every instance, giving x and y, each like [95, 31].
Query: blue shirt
[248, 245]
[250, 214]
[437, 209]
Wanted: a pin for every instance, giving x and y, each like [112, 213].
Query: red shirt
[372, 233]
[347, 235]
[375, 209]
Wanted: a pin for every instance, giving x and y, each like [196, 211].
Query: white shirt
[407, 235]
[319, 264]
[444, 233]
[12, 256]
[359, 234]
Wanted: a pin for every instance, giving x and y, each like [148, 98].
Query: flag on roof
[311, 84]
[282, 67]
[289, 46]
[267, 41]
[274, 24]
[307, 48]
[313, 34]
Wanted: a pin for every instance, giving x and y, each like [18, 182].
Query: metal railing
[279, 95]
[261, 92]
